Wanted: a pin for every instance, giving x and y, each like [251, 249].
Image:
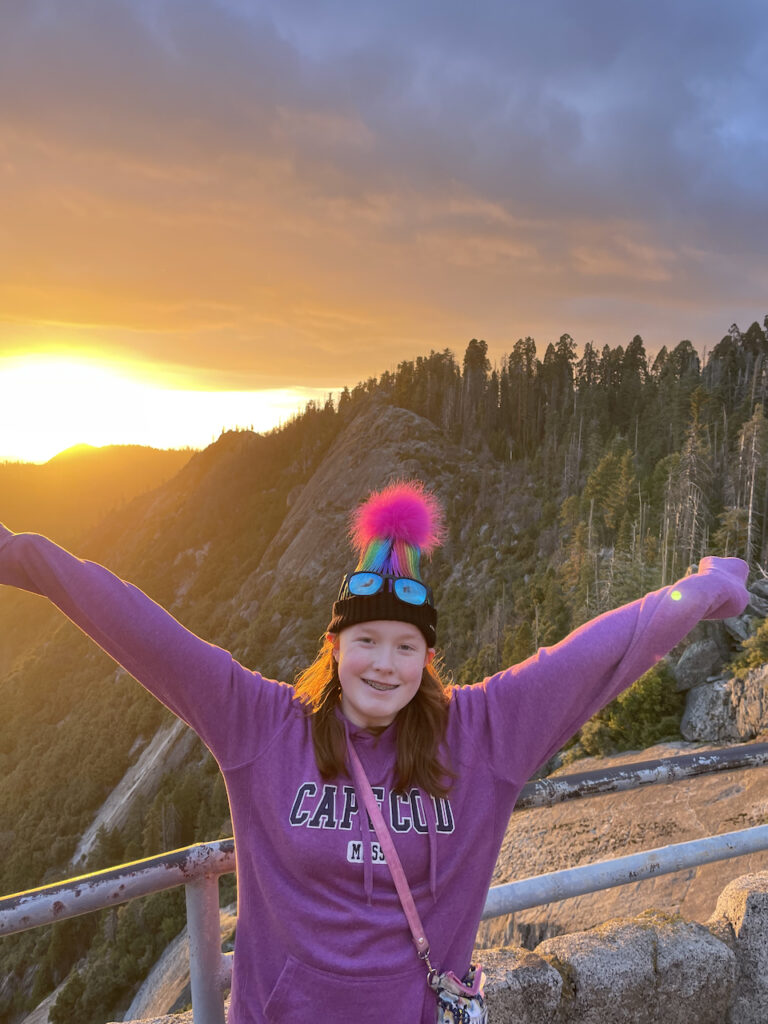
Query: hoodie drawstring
[365, 831]
[427, 802]
[429, 812]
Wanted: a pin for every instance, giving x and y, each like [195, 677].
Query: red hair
[421, 726]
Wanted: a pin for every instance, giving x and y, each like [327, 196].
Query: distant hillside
[73, 491]
[64, 499]
[570, 485]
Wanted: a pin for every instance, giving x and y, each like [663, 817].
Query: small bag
[459, 1001]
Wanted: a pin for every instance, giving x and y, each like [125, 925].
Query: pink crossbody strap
[390, 854]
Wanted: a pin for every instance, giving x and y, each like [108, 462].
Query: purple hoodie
[321, 932]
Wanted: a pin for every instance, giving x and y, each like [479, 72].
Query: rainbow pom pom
[403, 511]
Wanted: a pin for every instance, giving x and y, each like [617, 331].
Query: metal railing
[198, 868]
[554, 790]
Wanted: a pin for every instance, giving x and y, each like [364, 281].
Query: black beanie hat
[390, 531]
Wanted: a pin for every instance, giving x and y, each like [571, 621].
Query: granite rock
[642, 971]
[709, 714]
[607, 973]
[700, 659]
[738, 627]
[521, 987]
[743, 908]
[750, 702]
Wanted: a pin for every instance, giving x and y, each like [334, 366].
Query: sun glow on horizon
[51, 403]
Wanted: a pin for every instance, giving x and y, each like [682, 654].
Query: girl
[321, 929]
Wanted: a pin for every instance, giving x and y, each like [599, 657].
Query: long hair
[421, 726]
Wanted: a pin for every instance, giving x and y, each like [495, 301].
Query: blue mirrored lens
[363, 583]
[410, 591]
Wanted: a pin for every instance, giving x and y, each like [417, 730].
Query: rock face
[381, 444]
[709, 714]
[723, 710]
[611, 825]
[376, 447]
[728, 709]
[40, 1013]
[166, 750]
[169, 978]
[750, 702]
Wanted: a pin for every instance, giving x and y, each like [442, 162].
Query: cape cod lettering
[335, 807]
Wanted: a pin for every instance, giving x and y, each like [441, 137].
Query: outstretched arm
[534, 707]
[198, 681]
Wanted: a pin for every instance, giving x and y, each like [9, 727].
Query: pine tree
[752, 485]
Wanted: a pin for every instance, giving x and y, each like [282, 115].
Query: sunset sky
[282, 198]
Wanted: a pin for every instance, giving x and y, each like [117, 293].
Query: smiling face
[380, 665]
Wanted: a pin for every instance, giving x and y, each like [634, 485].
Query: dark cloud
[293, 179]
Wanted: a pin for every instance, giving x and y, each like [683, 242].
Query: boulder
[758, 605]
[695, 971]
[706, 630]
[709, 714]
[743, 909]
[738, 627]
[521, 988]
[701, 659]
[608, 974]
[655, 967]
[759, 588]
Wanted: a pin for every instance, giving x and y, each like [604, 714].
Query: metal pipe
[555, 790]
[227, 961]
[606, 874]
[116, 885]
[205, 958]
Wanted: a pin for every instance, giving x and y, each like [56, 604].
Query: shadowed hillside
[77, 488]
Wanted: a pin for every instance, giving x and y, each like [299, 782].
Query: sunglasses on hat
[364, 584]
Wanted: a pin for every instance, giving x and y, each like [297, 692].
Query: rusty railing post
[205, 956]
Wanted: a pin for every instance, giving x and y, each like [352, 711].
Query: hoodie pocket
[303, 994]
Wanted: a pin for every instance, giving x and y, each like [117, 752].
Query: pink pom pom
[404, 511]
